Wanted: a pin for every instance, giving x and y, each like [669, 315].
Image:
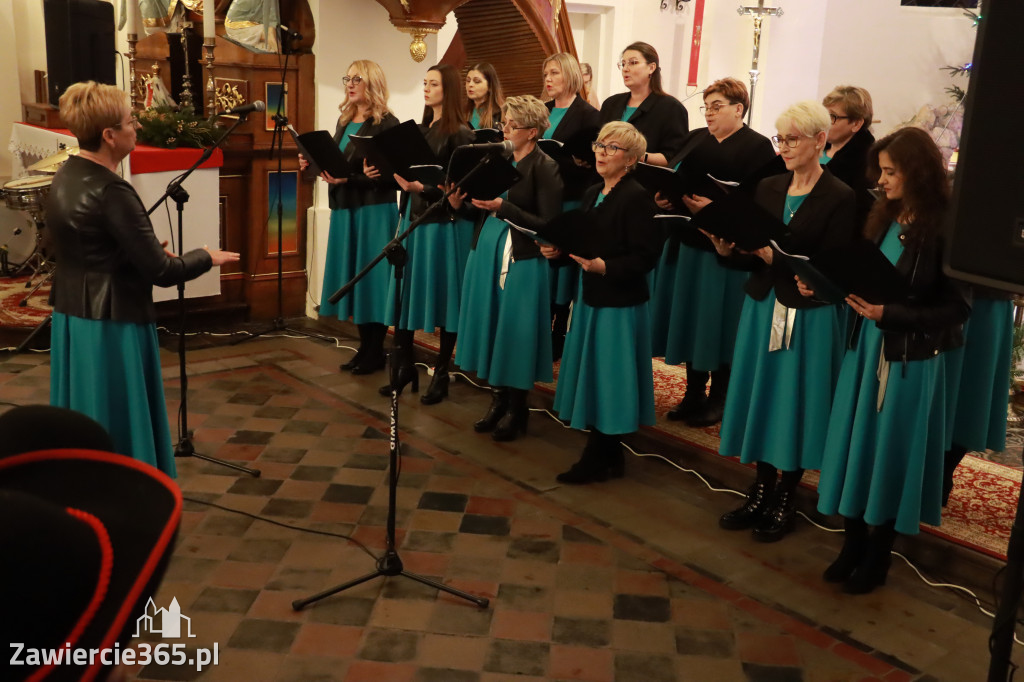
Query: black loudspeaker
[79, 43]
[985, 229]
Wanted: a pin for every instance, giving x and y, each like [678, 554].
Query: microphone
[288, 33]
[505, 146]
[244, 109]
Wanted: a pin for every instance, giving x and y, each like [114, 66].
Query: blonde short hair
[527, 111]
[808, 116]
[856, 102]
[629, 138]
[572, 75]
[376, 92]
[89, 108]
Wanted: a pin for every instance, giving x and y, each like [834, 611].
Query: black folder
[737, 219]
[673, 185]
[493, 179]
[577, 147]
[858, 268]
[396, 149]
[487, 135]
[569, 233]
[682, 229]
[322, 152]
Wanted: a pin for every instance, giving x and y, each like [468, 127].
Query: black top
[361, 190]
[850, 164]
[443, 147]
[579, 117]
[625, 236]
[532, 202]
[108, 257]
[661, 118]
[824, 220]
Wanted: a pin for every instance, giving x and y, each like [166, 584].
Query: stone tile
[389, 646]
[264, 635]
[517, 658]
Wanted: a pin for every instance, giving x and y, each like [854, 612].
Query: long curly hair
[918, 161]
[376, 92]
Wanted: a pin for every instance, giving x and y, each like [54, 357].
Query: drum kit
[24, 250]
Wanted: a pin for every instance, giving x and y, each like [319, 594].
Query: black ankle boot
[371, 357]
[951, 461]
[692, 403]
[497, 410]
[354, 360]
[438, 389]
[514, 421]
[781, 513]
[855, 542]
[873, 569]
[616, 460]
[591, 466]
[403, 371]
[758, 497]
[715, 408]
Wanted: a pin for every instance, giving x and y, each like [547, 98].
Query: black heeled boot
[715, 408]
[695, 399]
[354, 360]
[615, 458]
[591, 466]
[438, 389]
[781, 513]
[873, 569]
[497, 410]
[951, 461]
[746, 516]
[855, 543]
[559, 326]
[514, 421]
[403, 370]
[371, 352]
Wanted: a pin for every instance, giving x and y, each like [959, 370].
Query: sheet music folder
[858, 268]
[322, 152]
[737, 219]
[396, 149]
[568, 232]
[492, 179]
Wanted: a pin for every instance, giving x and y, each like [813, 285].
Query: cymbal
[51, 163]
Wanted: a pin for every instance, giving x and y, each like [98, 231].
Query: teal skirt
[978, 378]
[110, 371]
[779, 409]
[696, 307]
[565, 274]
[504, 332]
[356, 237]
[885, 465]
[432, 285]
[605, 380]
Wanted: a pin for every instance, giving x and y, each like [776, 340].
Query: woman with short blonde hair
[528, 112]
[89, 108]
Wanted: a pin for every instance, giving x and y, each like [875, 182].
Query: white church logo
[164, 622]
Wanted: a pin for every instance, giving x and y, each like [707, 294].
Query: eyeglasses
[715, 106]
[629, 64]
[609, 149]
[509, 126]
[835, 118]
[354, 80]
[134, 122]
[790, 141]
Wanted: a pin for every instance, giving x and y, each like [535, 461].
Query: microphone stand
[185, 447]
[390, 563]
[280, 123]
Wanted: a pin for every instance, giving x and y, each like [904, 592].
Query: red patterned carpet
[981, 509]
[12, 292]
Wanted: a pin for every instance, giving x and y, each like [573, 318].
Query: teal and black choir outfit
[475, 123]
[364, 216]
[105, 356]
[504, 325]
[787, 357]
[697, 301]
[605, 382]
[662, 120]
[850, 165]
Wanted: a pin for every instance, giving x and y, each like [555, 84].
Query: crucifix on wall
[759, 13]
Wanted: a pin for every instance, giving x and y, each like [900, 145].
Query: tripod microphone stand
[277, 138]
[185, 447]
[390, 564]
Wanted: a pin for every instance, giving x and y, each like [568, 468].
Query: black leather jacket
[108, 257]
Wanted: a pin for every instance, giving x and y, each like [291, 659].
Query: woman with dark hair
[605, 383]
[849, 139]
[659, 117]
[363, 217]
[570, 115]
[697, 302]
[788, 347]
[882, 463]
[483, 97]
[438, 248]
[505, 320]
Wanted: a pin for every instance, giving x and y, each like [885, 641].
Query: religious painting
[276, 96]
[283, 188]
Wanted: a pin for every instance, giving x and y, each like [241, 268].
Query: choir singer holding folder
[788, 347]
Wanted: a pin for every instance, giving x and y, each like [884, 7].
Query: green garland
[170, 128]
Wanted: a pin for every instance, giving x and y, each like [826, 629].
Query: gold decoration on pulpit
[230, 93]
[418, 46]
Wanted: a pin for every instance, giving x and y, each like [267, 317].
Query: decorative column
[209, 45]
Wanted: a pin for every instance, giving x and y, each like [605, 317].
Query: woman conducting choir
[605, 382]
[437, 249]
[788, 347]
[504, 323]
[105, 357]
[570, 117]
[697, 302]
[363, 217]
[882, 462]
[659, 117]
[849, 139]
[483, 97]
